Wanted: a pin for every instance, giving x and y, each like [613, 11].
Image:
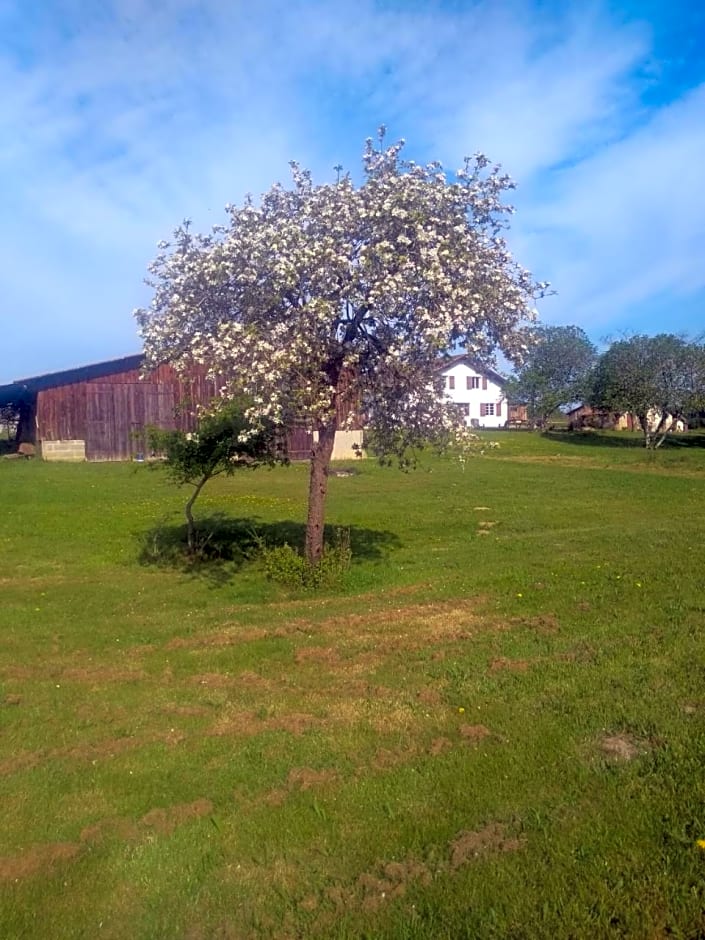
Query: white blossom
[327, 295]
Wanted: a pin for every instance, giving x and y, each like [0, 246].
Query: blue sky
[120, 118]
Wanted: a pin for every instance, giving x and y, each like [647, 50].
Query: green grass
[426, 750]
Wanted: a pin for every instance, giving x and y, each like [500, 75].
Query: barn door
[299, 443]
[117, 414]
[100, 422]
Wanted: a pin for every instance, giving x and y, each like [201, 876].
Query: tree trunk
[188, 510]
[644, 422]
[317, 492]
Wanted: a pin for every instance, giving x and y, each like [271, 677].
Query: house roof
[578, 408]
[475, 364]
[22, 389]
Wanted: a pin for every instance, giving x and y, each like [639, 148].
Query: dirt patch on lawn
[94, 751]
[127, 830]
[165, 820]
[472, 844]
[429, 696]
[474, 733]
[543, 624]
[317, 654]
[253, 680]
[186, 711]
[581, 653]
[510, 665]
[247, 723]
[97, 675]
[390, 881]
[39, 859]
[301, 778]
[162, 820]
[427, 620]
[89, 751]
[387, 758]
[213, 680]
[439, 746]
[231, 636]
[19, 762]
[304, 778]
[620, 748]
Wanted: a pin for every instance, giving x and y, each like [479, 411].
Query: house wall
[486, 397]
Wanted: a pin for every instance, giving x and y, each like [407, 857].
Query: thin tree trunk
[190, 524]
[317, 492]
[644, 422]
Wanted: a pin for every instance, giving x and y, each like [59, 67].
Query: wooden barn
[100, 411]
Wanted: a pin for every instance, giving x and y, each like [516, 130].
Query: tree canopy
[320, 296]
[555, 371]
[657, 378]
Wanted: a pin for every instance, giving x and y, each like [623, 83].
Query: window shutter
[451, 381]
[484, 382]
[499, 409]
[483, 410]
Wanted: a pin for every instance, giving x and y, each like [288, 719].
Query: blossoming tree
[322, 295]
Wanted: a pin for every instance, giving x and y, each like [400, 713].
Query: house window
[486, 408]
[472, 381]
[451, 381]
[464, 409]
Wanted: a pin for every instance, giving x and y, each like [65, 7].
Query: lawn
[494, 727]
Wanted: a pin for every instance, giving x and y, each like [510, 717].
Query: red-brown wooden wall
[110, 413]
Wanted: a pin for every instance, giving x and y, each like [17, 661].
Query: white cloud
[127, 116]
[628, 223]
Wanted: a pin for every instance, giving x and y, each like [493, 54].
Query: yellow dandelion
[461, 711]
[701, 844]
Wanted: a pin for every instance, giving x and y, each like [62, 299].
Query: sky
[119, 119]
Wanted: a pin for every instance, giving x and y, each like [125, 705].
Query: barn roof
[22, 389]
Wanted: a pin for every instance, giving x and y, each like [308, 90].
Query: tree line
[658, 379]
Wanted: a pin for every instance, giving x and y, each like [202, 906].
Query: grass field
[495, 727]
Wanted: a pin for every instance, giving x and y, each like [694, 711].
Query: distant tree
[657, 378]
[555, 372]
[9, 417]
[224, 442]
[325, 294]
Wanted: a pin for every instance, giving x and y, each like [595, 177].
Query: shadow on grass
[224, 544]
[633, 440]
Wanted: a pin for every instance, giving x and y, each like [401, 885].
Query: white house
[477, 391]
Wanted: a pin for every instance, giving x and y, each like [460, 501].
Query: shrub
[287, 566]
